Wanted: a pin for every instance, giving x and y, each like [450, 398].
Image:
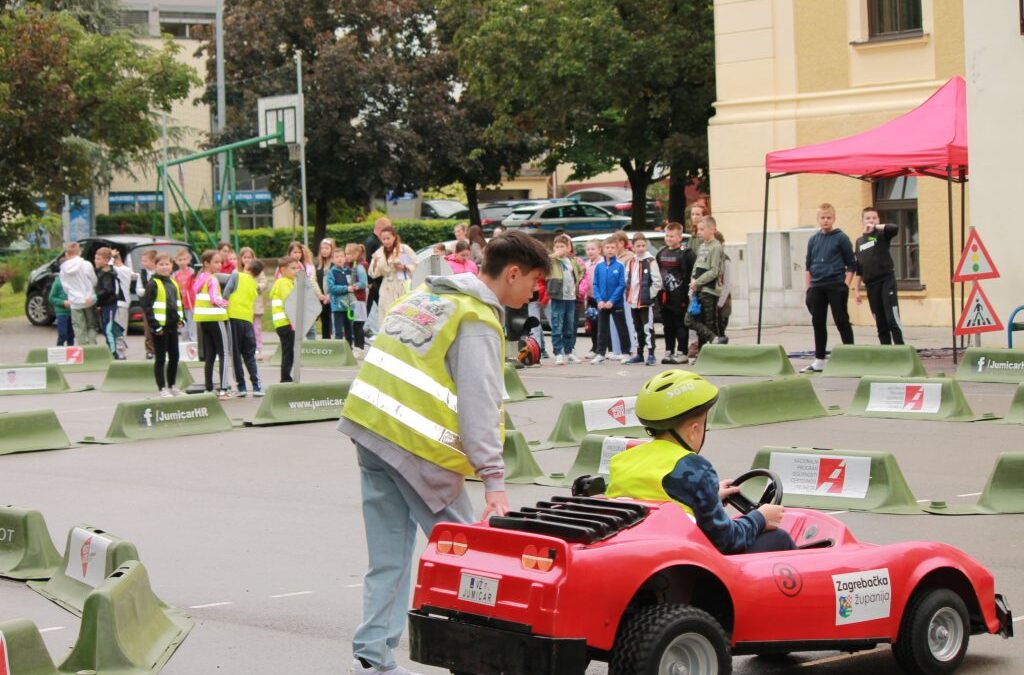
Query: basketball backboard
[274, 109]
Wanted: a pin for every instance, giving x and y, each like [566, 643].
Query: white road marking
[970, 494]
[51, 629]
[1018, 619]
[291, 595]
[834, 513]
[210, 604]
[353, 585]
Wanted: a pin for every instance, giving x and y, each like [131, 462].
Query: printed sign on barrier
[188, 351]
[65, 356]
[23, 379]
[610, 413]
[862, 596]
[908, 398]
[87, 557]
[831, 475]
[613, 445]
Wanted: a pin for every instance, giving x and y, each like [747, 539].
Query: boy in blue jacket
[609, 290]
[339, 283]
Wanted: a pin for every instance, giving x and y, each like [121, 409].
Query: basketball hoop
[293, 152]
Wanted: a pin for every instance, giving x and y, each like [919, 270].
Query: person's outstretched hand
[497, 504]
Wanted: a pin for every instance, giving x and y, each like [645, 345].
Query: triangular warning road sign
[975, 262]
[978, 316]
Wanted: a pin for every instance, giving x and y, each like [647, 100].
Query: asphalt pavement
[257, 532]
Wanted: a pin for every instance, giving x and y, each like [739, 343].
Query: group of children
[91, 299]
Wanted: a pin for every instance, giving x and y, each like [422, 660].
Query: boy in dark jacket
[829, 269]
[161, 305]
[675, 262]
[875, 267]
[108, 292]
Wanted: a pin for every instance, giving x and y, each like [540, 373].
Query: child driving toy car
[673, 406]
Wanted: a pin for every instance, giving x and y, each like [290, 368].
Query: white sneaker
[816, 366]
[176, 392]
[625, 358]
[559, 360]
[166, 393]
[590, 355]
[359, 669]
[572, 358]
[597, 359]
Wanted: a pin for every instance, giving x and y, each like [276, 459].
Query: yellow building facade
[797, 72]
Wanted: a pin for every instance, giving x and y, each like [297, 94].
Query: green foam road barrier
[1016, 413]
[321, 354]
[847, 480]
[125, 628]
[82, 359]
[30, 431]
[165, 418]
[879, 360]
[992, 365]
[89, 558]
[293, 402]
[515, 391]
[606, 417]
[520, 466]
[26, 550]
[753, 360]
[912, 398]
[766, 402]
[592, 458]
[138, 377]
[22, 650]
[1003, 493]
[41, 378]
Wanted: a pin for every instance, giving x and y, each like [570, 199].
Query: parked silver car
[570, 217]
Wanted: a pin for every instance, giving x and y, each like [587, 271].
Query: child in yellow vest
[283, 287]
[161, 303]
[241, 312]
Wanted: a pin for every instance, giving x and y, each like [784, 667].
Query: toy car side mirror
[589, 486]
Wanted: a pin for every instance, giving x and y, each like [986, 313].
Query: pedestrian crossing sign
[975, 262]
[978, 315]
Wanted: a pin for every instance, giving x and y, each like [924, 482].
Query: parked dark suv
[37, 304]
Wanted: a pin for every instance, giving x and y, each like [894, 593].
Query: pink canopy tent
[930, 140]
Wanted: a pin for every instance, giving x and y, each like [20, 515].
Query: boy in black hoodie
[107, 295]
[161, 304]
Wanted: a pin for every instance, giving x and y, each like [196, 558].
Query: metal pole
[952, 284]
[301, 139]
[65, 216]
[764, 249]
[225, 224]
[963, 238]
[163, 178]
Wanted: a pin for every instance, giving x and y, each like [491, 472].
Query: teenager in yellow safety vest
[161, 303]
[241, 311]
[673, 406]
[425, 411]
[282, 288]
[211, 316]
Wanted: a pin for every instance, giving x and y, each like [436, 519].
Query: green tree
[76, 107]
[626, 83]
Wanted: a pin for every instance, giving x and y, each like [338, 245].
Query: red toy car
[546, 589]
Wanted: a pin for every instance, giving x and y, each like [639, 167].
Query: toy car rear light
[450, 544]
[541, 559]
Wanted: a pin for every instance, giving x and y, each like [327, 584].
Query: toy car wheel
[933, 634]
[671, 640]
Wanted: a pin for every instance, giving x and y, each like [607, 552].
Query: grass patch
[11, 304]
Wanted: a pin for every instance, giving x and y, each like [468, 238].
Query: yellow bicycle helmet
[672, 395]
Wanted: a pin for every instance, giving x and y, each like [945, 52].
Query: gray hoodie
[474, 363]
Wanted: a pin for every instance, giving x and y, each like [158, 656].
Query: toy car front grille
[574, 519]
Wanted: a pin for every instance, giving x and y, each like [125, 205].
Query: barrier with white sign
[752, 403]
[26, 549]
[151, 418]
[90, 555]
[294, 402]
[837, 480]
[593, 458]
[920, 398]
[80, 359]
[606, 416]
[43, 378]
[321, 354]
[992, 365]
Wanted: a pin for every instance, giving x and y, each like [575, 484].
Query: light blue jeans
[563, 326]
[391, 512]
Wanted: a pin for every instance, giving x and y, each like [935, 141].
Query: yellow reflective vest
[242, 303]
[403, 391]
[160, 304]
[638, 472]
[282, 288]
[204, 309]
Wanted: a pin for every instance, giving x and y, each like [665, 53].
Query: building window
[896, 201]
[894, 18]
[186, 25]
[134, 20]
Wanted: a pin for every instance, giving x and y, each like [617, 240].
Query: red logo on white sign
[831, 475]
[5, 666]
[84, 553]
[913, 397]
[75, 356]
[618, 412]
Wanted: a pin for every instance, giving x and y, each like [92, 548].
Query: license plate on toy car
[482, 590]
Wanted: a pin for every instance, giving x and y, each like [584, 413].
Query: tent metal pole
[963, 237]
[764, 247]
[952, 284]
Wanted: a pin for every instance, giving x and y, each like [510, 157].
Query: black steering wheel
[772, 492]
